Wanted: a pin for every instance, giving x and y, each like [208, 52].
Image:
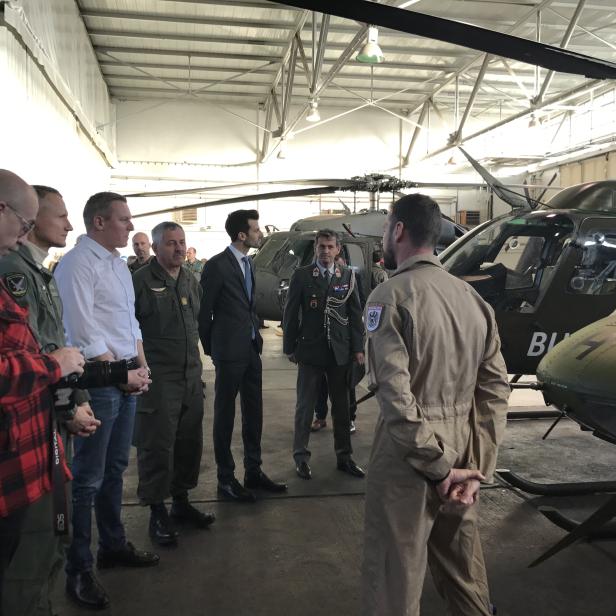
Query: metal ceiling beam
[457, 136]
[288, 86]
[470, 64]
[240, 82]
[420, 124]
[269, 105]
[268, 42]
[319, 50]
[185, 53]
[411, 66]
[564, 44]
[379, 76]
[304, 60]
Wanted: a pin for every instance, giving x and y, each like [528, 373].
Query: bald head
[141, 246]
[18, 209]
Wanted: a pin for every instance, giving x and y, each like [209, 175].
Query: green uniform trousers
[169, 440]
[31, 575]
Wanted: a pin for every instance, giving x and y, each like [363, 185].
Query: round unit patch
[17, 284]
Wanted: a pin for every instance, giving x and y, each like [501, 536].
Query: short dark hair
[421, 217]
[328, 234]
[237, 222]
[159, 230]
[377, 255]
[99, 205]
[43, 191]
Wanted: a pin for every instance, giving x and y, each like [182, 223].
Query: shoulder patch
[17, 284]
[373, 316]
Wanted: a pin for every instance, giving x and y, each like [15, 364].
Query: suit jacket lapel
[236, 266]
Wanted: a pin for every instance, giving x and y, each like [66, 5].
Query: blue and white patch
[373, 316]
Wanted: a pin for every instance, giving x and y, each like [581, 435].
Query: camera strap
[58, 485]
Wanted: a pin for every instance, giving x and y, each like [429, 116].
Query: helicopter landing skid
[608, 532]
[556, 489]
[586, 530]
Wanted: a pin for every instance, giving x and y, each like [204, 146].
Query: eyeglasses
[26, 225]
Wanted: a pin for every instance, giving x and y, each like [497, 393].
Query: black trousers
[309, 380]
[233, 377]
[10, 532]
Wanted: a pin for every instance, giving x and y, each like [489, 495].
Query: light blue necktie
[248, 284]
[247, 277]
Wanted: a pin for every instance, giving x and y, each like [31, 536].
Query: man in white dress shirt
[99, 317]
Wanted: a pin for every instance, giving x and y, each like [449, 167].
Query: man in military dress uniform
[323, 333]
[34, 568]
[168, 428]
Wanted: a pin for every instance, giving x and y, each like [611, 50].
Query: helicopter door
[356, 260]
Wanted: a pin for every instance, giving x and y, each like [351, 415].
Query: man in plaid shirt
[26, 400]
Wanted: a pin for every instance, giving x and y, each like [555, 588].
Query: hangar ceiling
[251, 53]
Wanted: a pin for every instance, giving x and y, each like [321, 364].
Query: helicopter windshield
[513, 256]
[268, 250]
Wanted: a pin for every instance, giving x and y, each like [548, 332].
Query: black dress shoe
[303, 470]
[161, 529]
[234, 490]
[128, 556]
[183, 512]
[348, 466]
[263, 482]
[85, 590]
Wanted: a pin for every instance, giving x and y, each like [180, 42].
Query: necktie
[327, 276]
[247, 277]
[248, 284]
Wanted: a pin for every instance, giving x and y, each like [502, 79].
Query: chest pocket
[164, 311]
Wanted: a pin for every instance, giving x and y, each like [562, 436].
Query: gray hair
[159, 230]
[328, 234]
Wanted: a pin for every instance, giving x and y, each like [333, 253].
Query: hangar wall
[53, 99]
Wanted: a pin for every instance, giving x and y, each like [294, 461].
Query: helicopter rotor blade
[514, 199]
[540, 197]
[466, 35]
[301, 192]
[187, 191]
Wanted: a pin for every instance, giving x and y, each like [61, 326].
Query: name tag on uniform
[184, 301]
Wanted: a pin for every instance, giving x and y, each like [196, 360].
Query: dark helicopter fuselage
[578, 377]
[547, 272]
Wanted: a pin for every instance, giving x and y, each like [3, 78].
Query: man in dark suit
[229, 332]
[323, 333]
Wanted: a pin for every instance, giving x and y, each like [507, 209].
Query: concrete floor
[300, 554]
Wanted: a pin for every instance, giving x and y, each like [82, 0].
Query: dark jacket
[167, 310]
[228, 316]
[309, 333]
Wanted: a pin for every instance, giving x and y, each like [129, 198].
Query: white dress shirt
[239, 256]
[97, 293]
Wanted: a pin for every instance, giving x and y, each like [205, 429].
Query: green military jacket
[195, 268]
[168, 310]
[34, 287]
[319, 317]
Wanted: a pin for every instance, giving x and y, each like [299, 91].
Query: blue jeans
[98, 464]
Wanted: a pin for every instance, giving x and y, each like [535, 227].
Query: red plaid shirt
[26, 409]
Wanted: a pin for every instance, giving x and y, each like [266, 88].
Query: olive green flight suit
[31, 575]
[433, 358]
[168, 426]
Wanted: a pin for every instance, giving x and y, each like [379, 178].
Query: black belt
[131, 364]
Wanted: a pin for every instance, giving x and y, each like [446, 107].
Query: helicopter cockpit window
[596, 273]
[520, 255]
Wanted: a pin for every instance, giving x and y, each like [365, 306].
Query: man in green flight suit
[192, 264]
[30, 577]
[168, 426]
[323, 334]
